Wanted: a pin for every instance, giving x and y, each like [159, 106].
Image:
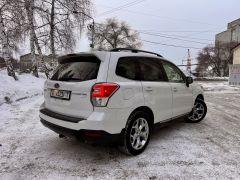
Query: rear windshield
[77, 69]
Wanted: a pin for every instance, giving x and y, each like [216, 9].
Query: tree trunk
[33, 54]
[52, 29]
[43, 64]
[6, 50]
[29, 5]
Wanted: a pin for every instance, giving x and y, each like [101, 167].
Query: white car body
[166, 100]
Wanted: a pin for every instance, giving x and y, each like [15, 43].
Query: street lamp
[90, 27]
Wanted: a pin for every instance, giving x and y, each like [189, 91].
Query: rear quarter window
[77, 69]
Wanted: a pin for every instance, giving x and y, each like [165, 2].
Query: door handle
[148, 89]
[174, 89]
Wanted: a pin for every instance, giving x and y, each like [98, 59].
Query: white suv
[118, 96]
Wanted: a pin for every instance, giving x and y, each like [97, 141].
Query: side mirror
[189, 80]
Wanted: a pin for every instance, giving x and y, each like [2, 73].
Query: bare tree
[114, 34]
[225, 55]
[29, 7]
[59, 23]
[214, 60]
[11, 21]
[49, 24]
[44, 67]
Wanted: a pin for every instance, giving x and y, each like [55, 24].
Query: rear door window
[151, 69]
[127, 68]
[77, 69]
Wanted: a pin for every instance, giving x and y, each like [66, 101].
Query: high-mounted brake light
[102, 92]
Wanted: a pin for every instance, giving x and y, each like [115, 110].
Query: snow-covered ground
[208, 150]
[27, 86]
[218, 87]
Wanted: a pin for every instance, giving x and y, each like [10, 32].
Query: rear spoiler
[77, 58]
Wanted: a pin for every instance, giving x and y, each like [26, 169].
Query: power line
[193, 34]
[164, 36]
[121, 7]
[171, 45]
[185, 31]
[187, 37]
[169, 37]
[153, 15]
[190, 36]
[164, 44]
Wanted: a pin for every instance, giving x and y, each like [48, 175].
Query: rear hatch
[68, 91]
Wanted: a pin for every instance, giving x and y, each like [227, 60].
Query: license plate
[60, 94]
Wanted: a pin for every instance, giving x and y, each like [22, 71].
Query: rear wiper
[69, 79]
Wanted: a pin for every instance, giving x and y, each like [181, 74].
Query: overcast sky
[187, 23]
[179, 21]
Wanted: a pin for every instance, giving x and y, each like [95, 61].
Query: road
[207, 150]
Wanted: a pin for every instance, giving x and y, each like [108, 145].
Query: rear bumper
[52, 114]
[105, 119]
[93, 136]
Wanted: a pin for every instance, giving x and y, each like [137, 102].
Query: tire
[198, 112]
[137, 133]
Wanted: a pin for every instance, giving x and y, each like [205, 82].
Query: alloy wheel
[197, 112]
[139, 133]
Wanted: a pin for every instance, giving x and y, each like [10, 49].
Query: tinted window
[173, 73]
[151, 70]
[127, 68]
[76, 69]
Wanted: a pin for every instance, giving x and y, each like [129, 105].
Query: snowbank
[218, 87]
[211, 78]
[27, 86]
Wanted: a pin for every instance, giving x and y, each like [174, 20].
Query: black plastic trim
[60, 116]
[167, 121]
[104, 138]
[75, 58]
[134, 51]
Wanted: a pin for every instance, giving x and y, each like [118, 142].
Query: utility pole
[189, 62]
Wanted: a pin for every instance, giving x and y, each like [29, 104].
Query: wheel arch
[200, 96]
[146, 110]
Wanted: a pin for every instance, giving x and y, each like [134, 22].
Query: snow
[27, 86]
[178, 150]
[219, 87]
[214, 78]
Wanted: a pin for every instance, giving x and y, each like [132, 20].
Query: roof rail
[134, 51]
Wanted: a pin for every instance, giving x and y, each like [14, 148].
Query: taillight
[102, 92]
